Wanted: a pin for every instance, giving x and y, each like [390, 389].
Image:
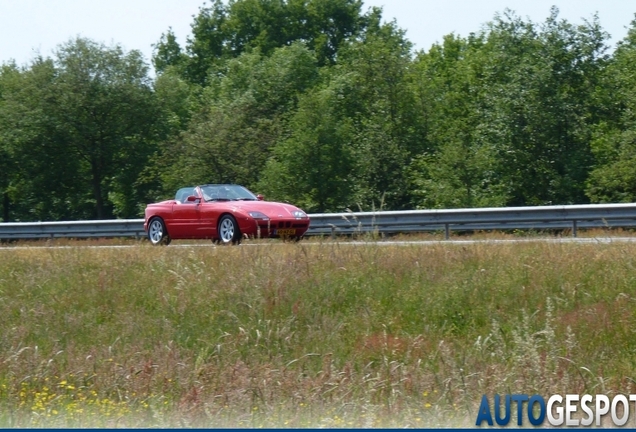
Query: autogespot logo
[571, 410]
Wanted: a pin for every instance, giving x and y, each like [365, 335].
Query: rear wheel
[229, 232]
[157, 233]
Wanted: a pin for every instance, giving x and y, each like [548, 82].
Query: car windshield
[226, 193]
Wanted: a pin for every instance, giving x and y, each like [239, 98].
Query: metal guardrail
[493, 218]
[331, 224]
[73, 229]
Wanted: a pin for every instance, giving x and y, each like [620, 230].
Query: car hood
[269, 208]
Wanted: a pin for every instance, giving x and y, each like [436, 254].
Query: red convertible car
[225, 213]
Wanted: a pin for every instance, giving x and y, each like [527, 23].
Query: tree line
[320, 103]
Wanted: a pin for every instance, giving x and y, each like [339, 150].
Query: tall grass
[330, 335]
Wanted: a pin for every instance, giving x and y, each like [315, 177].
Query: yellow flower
[427, 405]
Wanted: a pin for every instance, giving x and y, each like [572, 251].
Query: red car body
[223, 213]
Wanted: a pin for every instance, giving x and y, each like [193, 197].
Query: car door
[209, 218]
[185, 220]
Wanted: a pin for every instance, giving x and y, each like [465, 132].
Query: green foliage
[221, 32]
[42, 184]
[540, 83]
[613, 179]
[8, 171]
[457, 176]
[310, 168]
[457, 168]
[515, 105]
[324, 105]
[168, 53]
[80, 128]
[239, 118]
[379, 104]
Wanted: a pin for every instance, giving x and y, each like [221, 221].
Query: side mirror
[192, 198]
[260, 197]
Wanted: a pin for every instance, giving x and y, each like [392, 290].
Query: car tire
[228, 230]
[157, 233]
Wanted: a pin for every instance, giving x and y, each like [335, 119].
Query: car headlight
[299, 214]
[258, 215]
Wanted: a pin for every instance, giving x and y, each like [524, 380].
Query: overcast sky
[28, 27]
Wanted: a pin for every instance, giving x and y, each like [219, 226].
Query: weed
[296, 335]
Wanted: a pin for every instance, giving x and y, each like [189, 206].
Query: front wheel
[157, 233]
[229, 232]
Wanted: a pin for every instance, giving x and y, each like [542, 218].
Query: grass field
[297, 335]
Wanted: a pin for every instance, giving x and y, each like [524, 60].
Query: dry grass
[294, 335]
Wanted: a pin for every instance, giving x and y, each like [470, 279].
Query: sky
[32, 27]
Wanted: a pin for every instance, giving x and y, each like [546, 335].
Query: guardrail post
[446, 231]
[573, 228]
[333, 232]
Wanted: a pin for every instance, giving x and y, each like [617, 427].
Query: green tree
[613, 178]
[312, 166]
[456, 168]
[239, 117]
[221, 32]
[107, 107]
[379, 104]
[510, 113]
[168, 53]
[8, 171]
[538, 101]
[87, 121]
[42, 185]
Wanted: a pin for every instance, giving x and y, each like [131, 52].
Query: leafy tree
[510, 114]
[613, 178]
[239, 117]
[379, 104]
[42, 183]
[312, 166]
[221, 32]
[106, 105]
[538, 94]
[456, 168]
[168, 52]
[207, 46]
[8, 171]
[87, 121]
